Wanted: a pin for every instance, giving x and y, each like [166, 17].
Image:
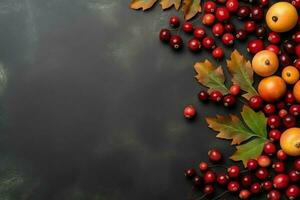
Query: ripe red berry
[297, 164]
[243, 12]
[209, 177]
[208, 189]
[235, 89]
[289, 98]
[296, 37]
[282, 113]
[255, 46]
[297, 50]
[241, 34]
[274, 38]
[174, 21]
[203, 166]
[222, 14]
[210, 7]
[289, 46]
[208, 43]
[176, 42]
[232, 5]
[228, 39]
[218, 29]
[267, 185]
[197, 180]
[246, 180]
[297, 63]
[190, 172]
[263, 2]
[214, 155]
[273, 195]
[294, 176]
[249, 26]
[188, 27]
[203, 96]
[274, 121]
[296, 3]
[218, 53]
[256, 102]
[222, 179]
[260, 32]
[281, 181]
[252, 164]
[281, 155]
[257, 13]
[289, 121]
[194, 44]
[262, 173]
[269, 148]
[244, 194]
[189, 112]
[292, 192]
[274, 134]
[165, 35]
[284, 59]
[279, 167]
[208, 19]
[216, 96]
[295, 110]
[233, 186]
[269, 109]
[199, 33]
[233, 171]
[264, 161]
[255, 188]
[280, 105]
[274, 48]
[229, 27]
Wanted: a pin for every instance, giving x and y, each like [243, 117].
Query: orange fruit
[290, 141]
[265, 63]
[290, 74]
[272, 88]
[281, 17]
[296, 91]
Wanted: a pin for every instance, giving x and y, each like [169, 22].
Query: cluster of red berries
[256, 179]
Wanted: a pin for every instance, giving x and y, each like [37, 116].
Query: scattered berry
[174, 21]
[233, 186]
[256, 102]
[218, 53]
[165, 35]
[214, 155]
[189, 112]
[188, 27]
[281, 181]
[176, 42]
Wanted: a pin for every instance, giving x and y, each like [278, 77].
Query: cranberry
[235, 89]
[296, 3]
[218, 53]
[194, 44]
[188, 27]
[209, 177]
[296, 37]
[228, 39]
[243, 12]
[210, 7]
[246, 180]
[232, 5]
[289, 121]
[208, 189]
[208, 19]
[214, 155]
[280, 105]
[244, 194]
[269, 148]
[221, 1]
[165, 35]
[273, 195]
[297, 50]
[255, 188]
[274, 38]
[284, 59]
[294, 176]
[274, 121]
[197, 180]
[297, 63]
[257, 13]
[274, 48]
[252, 164]
[216, 96]
[282, 113]
[289, 98]
[292, 192]
[222, 14]
[295, 110]
[274, 134]
[267, 185]
[260, 31]
[281, 155]
[190, 173]
[269, 109]
[262, 173]
[203, 96]
[263, 2]
[222, 179]
[281, 181]
[289, 46]
[279, 167]
[297, 164]
[241, 34]
[256, 102]
[203, 166]
[176, 42]
[199, 33]
[233, 171]
[218, 29]
[255, 46]
[233, 186]
[189, 112]
[249, 26]
[264, 161]
[229, 28]
[208, 42]
[174, 21]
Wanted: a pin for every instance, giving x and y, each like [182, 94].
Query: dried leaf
[242, 73]
[211, 76]
[165, 4]
[142, 4]
[250, 150]
[191, 8]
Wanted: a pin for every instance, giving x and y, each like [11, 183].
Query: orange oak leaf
[165, 4]
[142, 4]
[191, 8]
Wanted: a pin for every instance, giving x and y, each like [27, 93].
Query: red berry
[203, 96]
[269, 109]
[210, 7]
[199, 33]
[208, 19]
[289, 98]
[194, 44]
[208, 42]
[282, 113]
[197, 180]
[208, 189]
[289, 121]
[233, 171]
[176, 42]
[297, 164]
[209, 177]
[260, 31]
[228, 39]
[203, 166]
[214, 155]
[267, 185]
[256, 102]
[246, 180]
[190, 172]
[295, 110]
[289, 46]
[218, 53]
[292, 192]
[296, 37]
[257, 13]
[216, 96]
[273, 195]
[244, 194]
[297, 50]
[274, 121]
[262, 173]
[280, 105]
[274, 134]
[218, 29]
[255, 188]
[274, 38]
[269, 148]
[232, 5]
[263, 2]
[297, 63]
[189, 112]
[174, 21]
[188, 27]
[284, 59]
[279, 167]
[296, 3]
[235, 89]
[229, 28]
[281, 155]
[249, 26]
[255, 46]
[222, 14]
[241, 34]
[264, 161]
[281, 181]
[294, 176]
[274, 48]
[165, 35]
[252, 164]
[222, 179]
[233, 186]
[243, 12]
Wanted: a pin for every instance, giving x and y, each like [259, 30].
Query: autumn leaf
[250, 150]
[190, 8]
[165, 4]
[211, 76]
[242, 73]
[142, 4]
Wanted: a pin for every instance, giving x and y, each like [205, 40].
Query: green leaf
[211, 76]
[242, 73]
[250, 150]
[256, 121]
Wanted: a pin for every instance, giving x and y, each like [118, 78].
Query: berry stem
[221, 195]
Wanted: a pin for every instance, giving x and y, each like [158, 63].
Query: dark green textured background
[94, 101]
